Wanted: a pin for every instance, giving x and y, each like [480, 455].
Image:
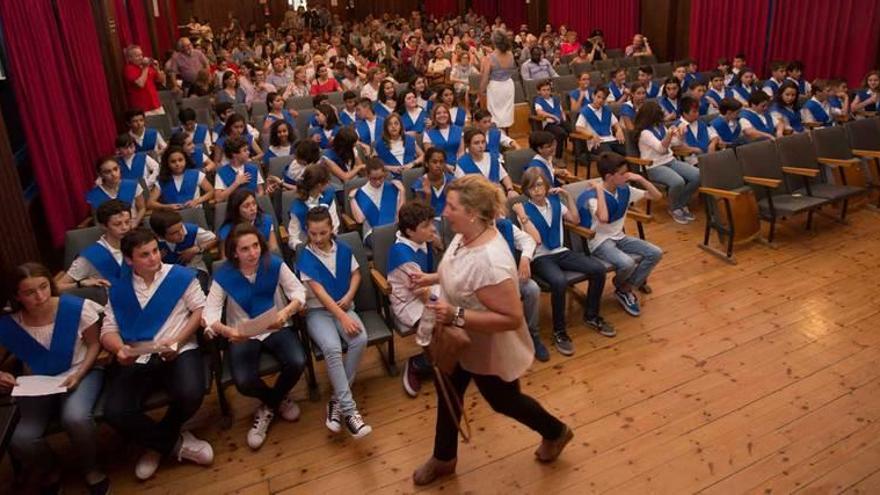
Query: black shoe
[600, 325]
[563, 343]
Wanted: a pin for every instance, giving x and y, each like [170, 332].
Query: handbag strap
[450, 397]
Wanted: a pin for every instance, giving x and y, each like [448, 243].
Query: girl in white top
[180, 185]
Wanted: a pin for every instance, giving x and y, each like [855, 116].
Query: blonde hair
[480, 195]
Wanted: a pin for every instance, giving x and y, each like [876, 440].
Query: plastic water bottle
[426, 324]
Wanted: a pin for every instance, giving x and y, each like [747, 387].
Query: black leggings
[504, 397]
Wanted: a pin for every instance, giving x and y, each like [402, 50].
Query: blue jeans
[531, 299]
[552, 267]
[28, 442]
[328, 334]
[681, 178]
[630, 274]
[245, 365]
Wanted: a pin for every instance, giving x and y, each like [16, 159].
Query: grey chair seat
[786, 204]
[377, 331]
[832, 191]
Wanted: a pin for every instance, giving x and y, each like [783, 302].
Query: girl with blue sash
[236, 127]
[145, 138]
[327, 126]
[582, 95]
[477, 161]
[816, 110]
[200, 133]
[695, 136]
[785, 108]
[396, 150]
[838, 100]
[110, 185]
[457, 114]
[180, 183]
[251, 283]
[431, 187]
[547, 209]
[281, 138]
[412, 115]
[133, 165]
[332, 275]
[386, 102]
[243, 208]
[628, 111]
[277, 112]
[314, 191]
[553, 119]
[100, 263]
[756, 121]
[198, 157]
[497, 141]
[544, 145]
[866, 98]
[53, 336]
[743, 85]
[726, 124]
[617, 87]
[341, 158]
[377, 202]
[670, 98]
[443, 134]
[239, 173]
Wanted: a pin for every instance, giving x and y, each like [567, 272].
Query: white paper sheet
[258, 325]
[37, 385]
[147, 347]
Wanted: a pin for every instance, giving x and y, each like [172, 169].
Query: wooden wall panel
[363, 8]
[216, 11]
[666, 24]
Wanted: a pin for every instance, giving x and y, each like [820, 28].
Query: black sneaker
[100, 488]
[411, 381]
[541, 352]
[600, 325]
[356, 426]
[563, 343]
[334, 417]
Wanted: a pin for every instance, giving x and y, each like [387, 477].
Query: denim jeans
[681, 178]
[630, 274]
[531, 300]
[28, 441]
[245, 364]
[328, 334]
[552, 267]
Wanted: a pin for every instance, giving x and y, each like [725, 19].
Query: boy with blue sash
[314, 191]
[146, 139]
[377, 202]
[697, 137]
[717, 91]
[239, 172]
[795, 73]
[582, 95]
[497, 141]
[159, 306]
[545, 145]
[697, 91]
[431, 187]
[189, 124]
[553, 119]
[777, 77]
[598, 121]
[646, 78]
[100, 264]
[183, 243]
[817, 111]
[348, 113]
[133, 165]
[368, 125]
[617, 87]
[250, 284]
[756, 121]
[603, 210]
[110, 185]
[332, 275]
[726, 125]
[53, 336]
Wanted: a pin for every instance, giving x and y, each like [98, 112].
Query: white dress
[500, 93]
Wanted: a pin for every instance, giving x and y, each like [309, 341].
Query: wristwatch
[458, 319]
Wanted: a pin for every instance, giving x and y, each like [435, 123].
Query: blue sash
[659, 131]
[718, 97]
[724, 132]
[450, 146]
[545, 169]
[493, 140]
[550, 234]
[57, 358]
[138, 165]
[345, 118]
[628, 110]
[383, 152]
[409, 125]
[363, 130]
[149, 141]
[254, 298]
[189, 240]
[336, 284]
[773, 85]
[759, 122]
[575, 95]
[102, 260]
[505, 227]
[438, 201]
[263, 224]
[188, 187]
[863, 96]
[701, 140]
[818, 112]
[457, 115]
[227, 174]
[554, 108]
[616, 91]
[793, 117]
[600, 127]
[324, 143]
[401, 253]
[653, 90]
[198, 157]
[386, 212]
[468, 166]
[200, 133]
[616, 206]
[286, 115]
[688, 80]
[299, 208]
[218, 129]
[741, 90]
[271, 154]
[704, 105]
[126, 192]
[834, 102]
[139, 324]
[668, 106]
[331, 155]
[381, 110]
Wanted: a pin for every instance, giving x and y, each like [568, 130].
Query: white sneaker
[194, 450]
[289, 409]
[356, 425]
[257, 434]
[334, 417]
[147, 465]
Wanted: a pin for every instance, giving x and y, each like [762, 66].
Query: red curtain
[618, 19]
[513, 13]
[834, 39]
[140, 29]
[440, 8]
[69, 121]
[125, 37]
[486, 8]
[723, 29]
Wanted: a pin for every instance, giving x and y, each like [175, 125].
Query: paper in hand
[258, 325]
[148, 347]
[38, 385]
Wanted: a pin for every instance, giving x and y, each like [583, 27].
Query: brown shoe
[549, 450]
[431, 470]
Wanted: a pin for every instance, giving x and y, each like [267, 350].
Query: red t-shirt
[328, 87]
[146, 98]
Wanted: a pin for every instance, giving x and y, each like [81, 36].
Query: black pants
[561, 132]
[552, 268]
[183, 379]
[614, 146]
[245, 364]
[504, 397]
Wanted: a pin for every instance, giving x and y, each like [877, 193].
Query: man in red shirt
[141, 74]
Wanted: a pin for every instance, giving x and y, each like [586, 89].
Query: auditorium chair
[864, 140]
[833, 151]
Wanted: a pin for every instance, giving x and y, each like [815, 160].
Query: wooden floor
[763, 377]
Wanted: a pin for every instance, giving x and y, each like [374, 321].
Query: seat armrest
[380, 281]
[719, 193]
[580, 230]
[806, 172]
[762, 181]
[836, 162]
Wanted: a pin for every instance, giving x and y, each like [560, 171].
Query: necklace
[465, 244]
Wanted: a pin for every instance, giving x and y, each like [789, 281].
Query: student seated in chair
[314, 191]
[431, 187]
[795, 73]
[786, 110]
[630, 109]
[180, 184]
[236, 127]
[157, 306]
[553, 120]
[281, 138]
[547, 209]
[717, 91]
[110, 185]
[251, 283]
[497, 140]
[342, 158]
[598, 121]
[99, 264]
[348, 112]
[244, 208]
[477, 161]
[777, 77]
[726, 124]
[669, 100]
[646, 79]
[327, 126]
[54, 336]
[444, 134]
[695, 137]
[133, 165]
[200, 158]
[397, 151]
[239, 173]
[582, 95]
[199, 133]
[368, 125]
[146, 139]
[544, 144]
[332, 275]
[756, 121]
[377, 202]
[183, 243]
[817, 111]
[604, 211]
[866, 98]
[697, 91]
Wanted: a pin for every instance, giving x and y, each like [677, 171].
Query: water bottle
[426, 324]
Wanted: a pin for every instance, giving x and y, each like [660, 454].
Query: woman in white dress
[496, 83]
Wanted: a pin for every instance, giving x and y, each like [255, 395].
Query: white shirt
[289, 289]
[82, 268]
[151, 169]
[371, 126]
[610, 230]
[485, 165]
[651, 148]
[202, 237]
[397, 150]
[280, 150]
[329, 261]
[368, 91]
[582, 122]
[406, 307]
[553, 120]
[692, 127]
[160, 142]
[524, 243]
[193, 299]
[375, 195]
[138, 192]
[218, 180]
[546, 211]
[297, 235]
[769, 90]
